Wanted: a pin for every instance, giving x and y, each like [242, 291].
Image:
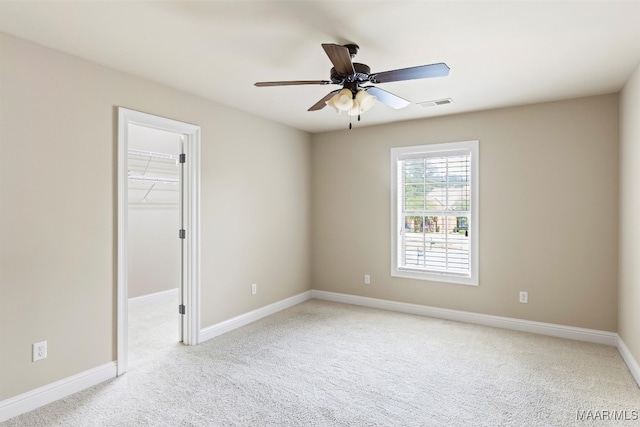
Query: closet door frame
[191, 211]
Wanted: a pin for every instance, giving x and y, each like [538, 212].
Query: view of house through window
[434, 223]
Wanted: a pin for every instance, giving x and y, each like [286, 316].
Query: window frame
[436, 150]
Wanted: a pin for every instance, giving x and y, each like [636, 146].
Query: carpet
[328, 364]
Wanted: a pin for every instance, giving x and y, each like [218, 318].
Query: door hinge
[182, 309]
[182, 234]
[183, 158]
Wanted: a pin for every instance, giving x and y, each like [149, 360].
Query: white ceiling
[500, 53]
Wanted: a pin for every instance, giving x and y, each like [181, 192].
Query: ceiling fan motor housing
[361, 75]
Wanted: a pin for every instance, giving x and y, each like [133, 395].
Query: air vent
[436, 102]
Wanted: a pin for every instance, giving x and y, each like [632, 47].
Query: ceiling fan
[354, 97]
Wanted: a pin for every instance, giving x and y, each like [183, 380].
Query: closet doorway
[158, 221]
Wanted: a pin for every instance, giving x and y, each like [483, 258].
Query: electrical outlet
[254, 289]
[367, 279]
[524, 297]
[39, 351]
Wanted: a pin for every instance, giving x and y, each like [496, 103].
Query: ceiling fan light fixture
[342, 101]
[365, 100]
[362, 103]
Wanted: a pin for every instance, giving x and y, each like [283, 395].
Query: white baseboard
[156, 297]
[629, 360]
[570, 332]
[246, 318]
[41, 396]
[44, 395]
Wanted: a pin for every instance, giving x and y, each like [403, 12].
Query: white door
[188, 231]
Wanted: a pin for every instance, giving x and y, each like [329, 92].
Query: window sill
[435, 277]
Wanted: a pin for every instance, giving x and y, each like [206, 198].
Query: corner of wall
[629, 227]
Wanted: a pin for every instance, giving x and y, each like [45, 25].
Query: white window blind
[435, 220]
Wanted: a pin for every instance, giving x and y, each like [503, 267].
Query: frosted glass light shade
[365, 100]
[342, 101]
[362, 103]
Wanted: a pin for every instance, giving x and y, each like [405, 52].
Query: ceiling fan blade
[293, 83]
[387, 97]
[321, 104]
[340, 58]
[421, 72]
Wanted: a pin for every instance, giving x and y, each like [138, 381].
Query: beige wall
[629, 288]
[154, 250]
[58, 136]
[548, 211]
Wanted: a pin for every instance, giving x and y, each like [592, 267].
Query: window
[434, 212]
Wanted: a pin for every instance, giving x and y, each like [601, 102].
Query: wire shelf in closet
[162, 176]
[153, 155]
[156, 179]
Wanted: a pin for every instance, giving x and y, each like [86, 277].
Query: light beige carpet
[329, 364]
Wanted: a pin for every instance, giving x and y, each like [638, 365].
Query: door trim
[191, 270]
